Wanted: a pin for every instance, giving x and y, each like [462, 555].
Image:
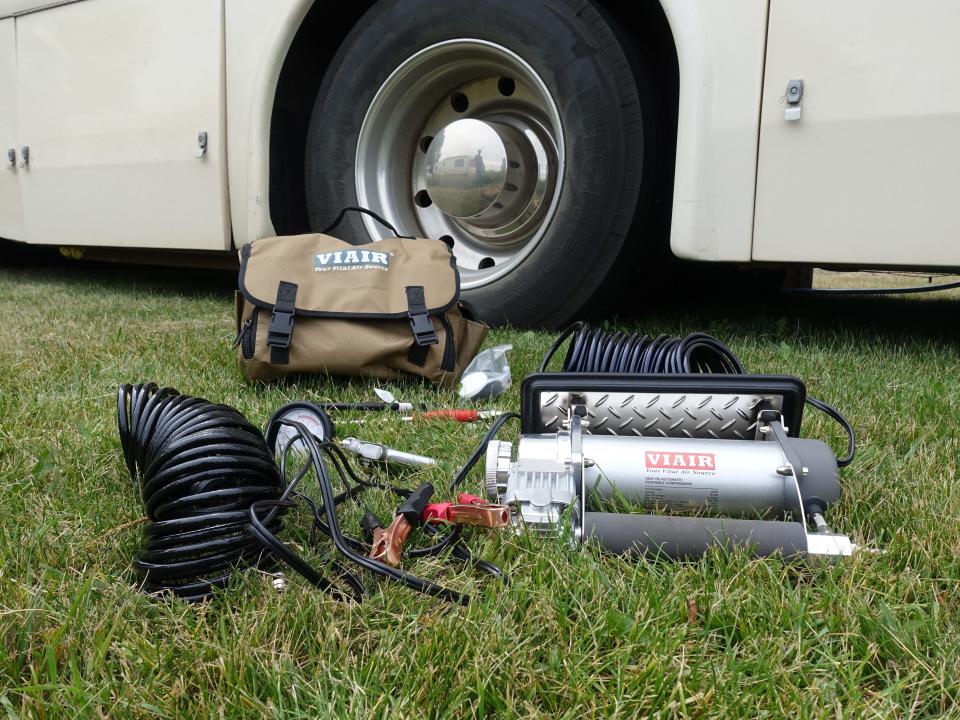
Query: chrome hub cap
[463, 142]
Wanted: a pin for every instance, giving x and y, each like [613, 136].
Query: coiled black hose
[594, 350]
[200, 467]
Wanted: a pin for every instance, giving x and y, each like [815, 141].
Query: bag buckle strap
[280, 330]
[423, 331]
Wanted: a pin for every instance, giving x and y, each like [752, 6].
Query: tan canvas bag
[315, 304]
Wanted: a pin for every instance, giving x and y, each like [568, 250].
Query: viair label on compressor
[705, 462]
[671, 480]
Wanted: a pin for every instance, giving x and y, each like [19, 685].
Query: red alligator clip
[468, 510]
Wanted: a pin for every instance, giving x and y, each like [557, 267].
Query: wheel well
[649, 44]
[310, 53]
[318, 39]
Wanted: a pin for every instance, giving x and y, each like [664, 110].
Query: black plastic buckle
[423, 331]
[280, 330]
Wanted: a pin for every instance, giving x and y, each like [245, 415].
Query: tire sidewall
[573, 50]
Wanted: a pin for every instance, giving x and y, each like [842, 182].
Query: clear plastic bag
[487, 375]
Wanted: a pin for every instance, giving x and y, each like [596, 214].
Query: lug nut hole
[487, 262]
[422, 199]
[507, 86]
[459, 102]
[447, 240]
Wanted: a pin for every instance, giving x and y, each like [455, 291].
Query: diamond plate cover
[728, 417]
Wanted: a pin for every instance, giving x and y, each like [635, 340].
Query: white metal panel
[112, 95]
[11, 210]
[870, 174]
[258, 36]
[720, 48]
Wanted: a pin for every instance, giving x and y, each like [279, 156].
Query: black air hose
[200, 467]
[594, 350]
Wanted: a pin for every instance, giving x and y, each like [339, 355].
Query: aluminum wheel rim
[418, 101]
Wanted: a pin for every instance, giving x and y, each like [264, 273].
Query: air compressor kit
[715, 460]
[672, 426]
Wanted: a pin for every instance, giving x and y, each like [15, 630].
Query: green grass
[576, 634]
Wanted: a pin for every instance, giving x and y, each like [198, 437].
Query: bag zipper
[239, 337]
[247, 337]
[449, 361]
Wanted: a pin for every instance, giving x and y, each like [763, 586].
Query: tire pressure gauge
[309, 415]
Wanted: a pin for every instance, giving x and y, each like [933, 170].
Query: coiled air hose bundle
[594, 350]
[200, 467]
[214, 496]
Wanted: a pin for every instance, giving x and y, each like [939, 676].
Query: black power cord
[201, 467]
[481, 449]
[594, 350]
[318, 455]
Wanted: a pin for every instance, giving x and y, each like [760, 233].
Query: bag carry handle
[372, 214]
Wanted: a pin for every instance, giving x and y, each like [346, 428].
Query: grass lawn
[576, 634]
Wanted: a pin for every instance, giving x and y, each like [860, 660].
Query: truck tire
[419, 90]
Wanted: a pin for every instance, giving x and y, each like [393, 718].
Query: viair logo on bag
[343, 260]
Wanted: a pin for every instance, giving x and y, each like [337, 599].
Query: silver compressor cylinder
[716, 477]
[567, 473]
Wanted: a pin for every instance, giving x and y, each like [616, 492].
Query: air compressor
[707, 460]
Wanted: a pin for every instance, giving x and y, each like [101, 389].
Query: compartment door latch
[794, 100]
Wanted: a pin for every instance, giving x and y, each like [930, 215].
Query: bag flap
[336, 279]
